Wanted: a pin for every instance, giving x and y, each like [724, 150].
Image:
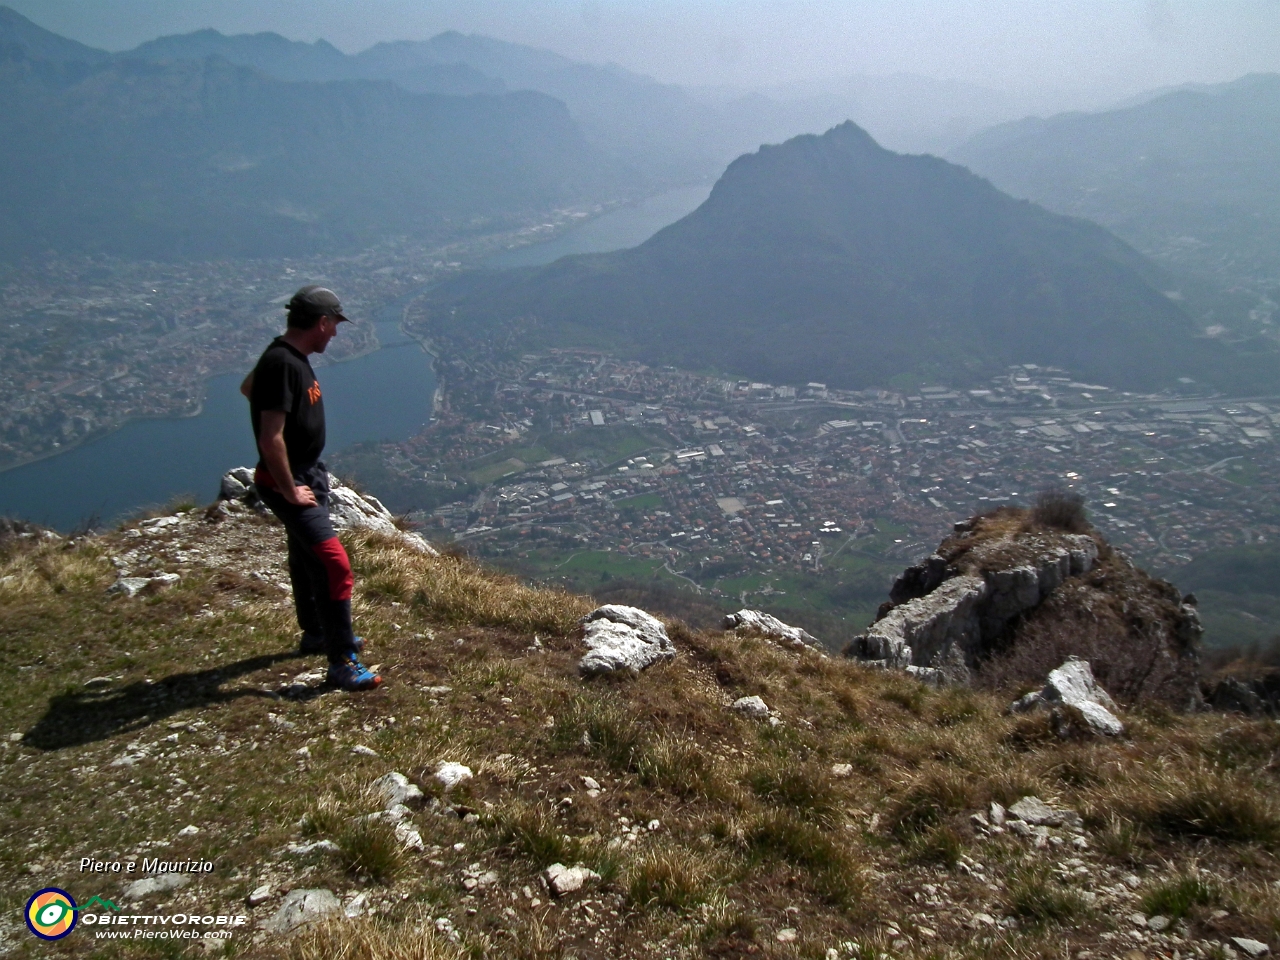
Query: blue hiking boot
[314, 643]
[352, 675]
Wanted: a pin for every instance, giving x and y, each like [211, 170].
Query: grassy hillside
[130, 720]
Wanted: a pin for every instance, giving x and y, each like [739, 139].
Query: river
[383, 395]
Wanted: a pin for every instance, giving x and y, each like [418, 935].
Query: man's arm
[246, 385]
[276, 457]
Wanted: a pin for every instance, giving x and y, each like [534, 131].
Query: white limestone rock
[622, 639]
[562, 880]
[132, 586]
[319, 846]
[232, 487]
[769, 626]
[451, 774]
[301, 907]
[1037, 813]
[1073, 684]
[409, 838]
[348, 510]
[753, 707]
[1252, 948]
[395, 789]
[161, 883]
[929, 676]
[924, 627]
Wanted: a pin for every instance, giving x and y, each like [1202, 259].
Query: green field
[642, 502]
[605, 445]
[496, 471]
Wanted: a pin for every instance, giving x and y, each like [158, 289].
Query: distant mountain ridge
[200, 157]
[1189, 176]
[285, 59]
[19, 33]
[656, 127]
[829, 258]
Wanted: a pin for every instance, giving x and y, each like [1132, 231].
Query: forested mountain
[205, 158]
[829, 258]
[1190, 177]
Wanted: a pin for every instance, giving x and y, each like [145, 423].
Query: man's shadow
[84, 716]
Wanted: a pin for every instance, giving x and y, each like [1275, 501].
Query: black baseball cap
[316, 301]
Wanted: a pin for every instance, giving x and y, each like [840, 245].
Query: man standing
[288, 424]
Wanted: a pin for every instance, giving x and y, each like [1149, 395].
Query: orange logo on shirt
[313, 392]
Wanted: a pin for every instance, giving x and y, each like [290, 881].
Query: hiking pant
[318, 565]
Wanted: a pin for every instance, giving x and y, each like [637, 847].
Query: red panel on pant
[337, 566]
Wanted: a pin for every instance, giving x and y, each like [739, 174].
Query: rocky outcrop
[1256, 697]
[347, 509]
[1000, 582]
[933, 608]
[915, 632]
[622, 639]
[757, 621]
[1072, 685]
[302, 907]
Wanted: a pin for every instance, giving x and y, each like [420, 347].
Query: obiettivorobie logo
[52, 913]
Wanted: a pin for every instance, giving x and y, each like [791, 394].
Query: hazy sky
[1118, 45]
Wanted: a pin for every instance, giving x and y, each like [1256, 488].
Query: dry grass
[601, 726]
[370, 849]
[1059, 509]
[374, 940]
[1035, 896]
[457, 590]
[535, 834]
[804, 788]
[1174, 898]
[756, 830]
[1195, 801]
[932, 798]
[47, 568]
[668, 878]
[679, 766]
[832, 867]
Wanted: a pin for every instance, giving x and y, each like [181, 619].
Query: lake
[384, 395]
[624, 227]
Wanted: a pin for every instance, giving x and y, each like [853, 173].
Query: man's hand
[246, 385]
[276, 458]
[302, 497]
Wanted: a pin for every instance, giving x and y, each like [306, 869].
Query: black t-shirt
[284, 380]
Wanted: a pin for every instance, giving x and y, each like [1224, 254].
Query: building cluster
[92, 342]
[661, 463]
